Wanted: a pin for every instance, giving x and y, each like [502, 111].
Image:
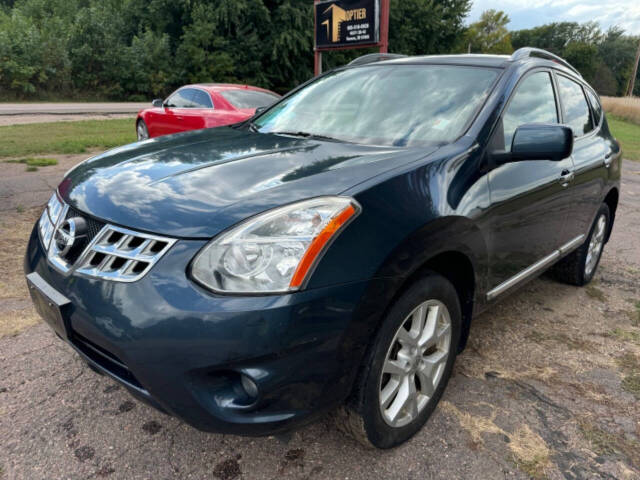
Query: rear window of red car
[248, 98]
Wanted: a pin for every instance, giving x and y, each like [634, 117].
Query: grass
[625, 335]
[626, 108]
[64, 137]
[33, 163]
[605, 443]
[628, 134]
[596, 293]
[630, 365]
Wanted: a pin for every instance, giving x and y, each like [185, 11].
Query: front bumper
[182, 349]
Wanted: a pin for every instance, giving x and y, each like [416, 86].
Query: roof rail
[375, 57]
[526, 52]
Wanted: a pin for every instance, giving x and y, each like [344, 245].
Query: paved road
[543, 390]
[70, 108]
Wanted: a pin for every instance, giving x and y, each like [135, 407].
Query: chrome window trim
[532, 269]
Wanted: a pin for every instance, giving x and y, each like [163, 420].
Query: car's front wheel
[408, 366]
[142, 131]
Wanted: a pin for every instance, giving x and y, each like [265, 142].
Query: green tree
[489, 34]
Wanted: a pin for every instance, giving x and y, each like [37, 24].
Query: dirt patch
[545, 389]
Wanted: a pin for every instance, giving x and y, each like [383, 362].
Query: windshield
[403, 105]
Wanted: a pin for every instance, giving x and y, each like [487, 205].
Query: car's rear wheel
[579, 267]
[142, 131]
[408, 366]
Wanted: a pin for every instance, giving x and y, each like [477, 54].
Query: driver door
[529, 199]
[172, 117]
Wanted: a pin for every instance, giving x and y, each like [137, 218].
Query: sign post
[345, 24]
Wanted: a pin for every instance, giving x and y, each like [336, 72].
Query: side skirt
[536, 267]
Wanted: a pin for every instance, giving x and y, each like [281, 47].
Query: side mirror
[542, 141]
[259, 110]
[158, 103]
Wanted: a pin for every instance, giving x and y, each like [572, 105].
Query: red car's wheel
[142, 131]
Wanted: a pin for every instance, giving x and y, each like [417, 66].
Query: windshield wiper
[309, 135]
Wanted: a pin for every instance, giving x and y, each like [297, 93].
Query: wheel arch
[450, 246]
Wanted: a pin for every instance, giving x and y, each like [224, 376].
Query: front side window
[576, 109]
[532, 102]
[399, 105]
[180, 99]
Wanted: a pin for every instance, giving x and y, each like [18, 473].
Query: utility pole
[632, 80]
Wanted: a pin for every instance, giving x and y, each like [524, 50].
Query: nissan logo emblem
[66, 234]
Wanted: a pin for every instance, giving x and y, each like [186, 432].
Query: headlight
[275, 251]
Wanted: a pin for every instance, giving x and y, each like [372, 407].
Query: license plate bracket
[49, 303]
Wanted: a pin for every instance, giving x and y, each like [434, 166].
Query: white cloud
[526, 14]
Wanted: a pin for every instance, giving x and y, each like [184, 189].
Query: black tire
[362, 416]
[572, 268]
[142, 127]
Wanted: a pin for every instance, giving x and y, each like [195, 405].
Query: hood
[196, 184]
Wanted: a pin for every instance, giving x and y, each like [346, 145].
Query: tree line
[140, 49]
[605, 59]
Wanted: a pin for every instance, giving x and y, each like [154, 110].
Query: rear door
[589, 154]
[529, 200]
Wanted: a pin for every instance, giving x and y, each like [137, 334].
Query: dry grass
[15, 321]
[15, 228]
[627, 108]
[530, 452]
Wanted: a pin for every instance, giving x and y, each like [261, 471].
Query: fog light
[249, 386]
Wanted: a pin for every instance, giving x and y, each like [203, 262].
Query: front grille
[105, 359]
[99, 250]
[93, 228]
[121, 254]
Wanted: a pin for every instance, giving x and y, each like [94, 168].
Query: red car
[201, 106]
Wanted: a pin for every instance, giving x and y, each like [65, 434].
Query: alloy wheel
[415, 363]
[595, 245]
[143, 134]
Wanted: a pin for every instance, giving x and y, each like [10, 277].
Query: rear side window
[532, 102]
[576, 109]
[248, 98]
[595, 107]
[201, 99]
[181, 99]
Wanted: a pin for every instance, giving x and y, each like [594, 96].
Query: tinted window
[533, 102]
[399, 105]
[248, 98]
[576, 110]
[595, 106]
[201, 99]
[181, 99]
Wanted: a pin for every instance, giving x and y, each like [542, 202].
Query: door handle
[566, 178]
[608, 159]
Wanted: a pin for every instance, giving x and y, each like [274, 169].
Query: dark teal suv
[332, 251]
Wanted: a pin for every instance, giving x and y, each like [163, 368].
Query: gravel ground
[548, 387]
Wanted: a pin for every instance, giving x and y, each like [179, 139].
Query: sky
[527, 14]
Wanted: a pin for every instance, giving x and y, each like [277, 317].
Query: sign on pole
[342, 24]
